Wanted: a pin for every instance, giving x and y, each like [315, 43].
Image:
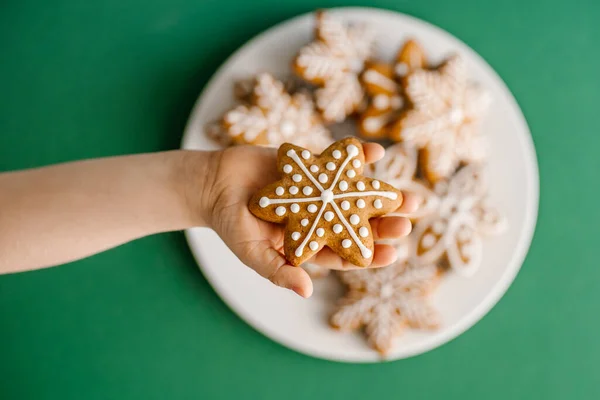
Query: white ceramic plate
[302, 324]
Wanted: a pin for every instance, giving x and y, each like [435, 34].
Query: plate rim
[498, 290]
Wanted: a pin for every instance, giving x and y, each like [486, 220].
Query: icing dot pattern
[327, 197]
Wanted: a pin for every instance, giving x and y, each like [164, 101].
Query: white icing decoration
[297, 178]
[330, 166]
[428, 241]
[356, 163]
[280, 211]
[360, 203]
[387, 299]
[313, 245]
[335, 60]
[294, 208]
[360, 185]
[295, 235]
[374, 77]
[279, 191]
[401, 69]
[462, 235]
[278, 116]
[381, 101]
[314, 168]
[363, 231]
[446, 117]
[346, 243]
[376, 185]
[287, 168]
[305, 154]
[264, 201]
[351, 173]
[439, 227]
[336, 154]
[378, 204]
[294, 189]
[328, 197]
[377, 122]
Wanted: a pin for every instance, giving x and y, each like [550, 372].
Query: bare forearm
[53, 215]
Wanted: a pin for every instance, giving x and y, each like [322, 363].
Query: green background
[87, 79]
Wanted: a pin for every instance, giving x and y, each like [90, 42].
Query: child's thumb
[271, 264]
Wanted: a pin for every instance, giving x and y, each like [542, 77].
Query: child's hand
[238, 173]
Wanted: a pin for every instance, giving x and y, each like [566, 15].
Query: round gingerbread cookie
[324, 200]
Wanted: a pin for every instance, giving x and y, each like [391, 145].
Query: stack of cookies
[428, 115]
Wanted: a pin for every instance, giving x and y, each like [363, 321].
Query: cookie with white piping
[444, 118]
[273, 116]
[399, 168]
[383, 84]
[453, 233]
[324, 200]
[386, 301]
[333, 61]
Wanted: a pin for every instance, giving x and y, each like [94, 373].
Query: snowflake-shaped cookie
[455, 229]
[274, 117]
[334, 61]
[445, 118]
[386, 300]
[382, 83]
[325, 201]
[398, 168]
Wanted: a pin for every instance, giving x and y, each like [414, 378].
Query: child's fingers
[383, 255]
[270, 264]
[293, 278]
[390, 227]
[410, 203]
[373, 152]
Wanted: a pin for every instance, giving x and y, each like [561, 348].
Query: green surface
[140, 322]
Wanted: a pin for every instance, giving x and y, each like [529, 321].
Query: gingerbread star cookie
[445, 118]
[398, 168]
[273, 117]
[454, 232]
[324, 200]
[334, 61]
[387, 300]
[383, 85]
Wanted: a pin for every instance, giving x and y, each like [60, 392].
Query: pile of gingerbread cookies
[429, 118]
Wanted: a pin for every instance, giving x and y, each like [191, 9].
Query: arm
[57, 214]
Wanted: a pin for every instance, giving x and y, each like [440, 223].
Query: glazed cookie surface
[444, 119]
[387, 300]
[325, 201]
[383, 84]
[334, 61]
[454, 232]
[398, 168]
[272, 116]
